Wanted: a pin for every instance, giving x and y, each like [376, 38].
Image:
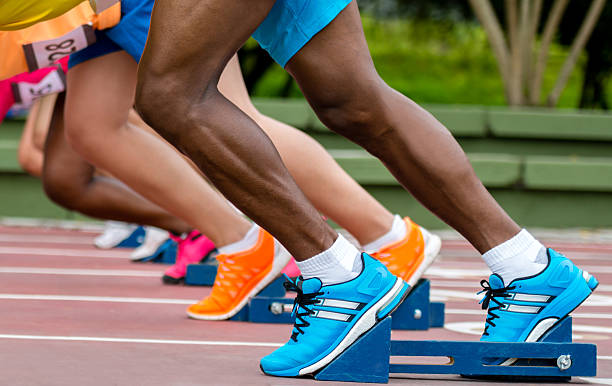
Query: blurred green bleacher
[547, 168]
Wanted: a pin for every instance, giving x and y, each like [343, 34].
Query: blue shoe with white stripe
[330, 318]
[529, 307]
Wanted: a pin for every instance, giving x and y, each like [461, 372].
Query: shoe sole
[365, 323]
[542, 332]
[432, 250]
[281, 258]
[172, 280]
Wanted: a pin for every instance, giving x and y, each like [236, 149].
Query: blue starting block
[415, 313]
[274, 290]
[374, 356]
[133, 240]
[165, 254]
[202, 274]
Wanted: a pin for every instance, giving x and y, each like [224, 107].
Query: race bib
[44, 53]
[54, 82]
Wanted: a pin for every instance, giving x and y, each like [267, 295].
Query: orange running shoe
[240, 277]
[410, 257]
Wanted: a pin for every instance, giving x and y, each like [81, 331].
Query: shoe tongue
[496, 282]
[311, 285]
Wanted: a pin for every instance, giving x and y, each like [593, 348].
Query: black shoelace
[300, 306]
[491, 295]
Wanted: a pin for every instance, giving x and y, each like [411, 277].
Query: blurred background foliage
[435, 51]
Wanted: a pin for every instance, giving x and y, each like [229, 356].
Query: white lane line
[580, 315]
[111, 299]
[134, 340]
[597, 381]
[605, 357]
[107, 254]
[53, 239]
[76, 271]
[595, 269]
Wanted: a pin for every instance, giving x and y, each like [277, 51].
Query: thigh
[335, 65]
[190, 41]
[100, 93]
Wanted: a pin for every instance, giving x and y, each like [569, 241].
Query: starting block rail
[374, 356]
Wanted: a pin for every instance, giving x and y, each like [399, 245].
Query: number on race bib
[45, 53]
[67, 46]
[54, 82]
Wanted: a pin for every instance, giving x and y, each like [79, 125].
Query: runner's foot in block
[153, 240]
[527, 308]
[114, 233]
[190, 250]
[241, 276]
[330, 318]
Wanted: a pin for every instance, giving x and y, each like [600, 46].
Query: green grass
[436, 63]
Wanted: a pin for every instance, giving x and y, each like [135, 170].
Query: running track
[72, 314]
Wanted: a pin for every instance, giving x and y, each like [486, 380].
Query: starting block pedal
[415, 313]
[166, 253]
[371, 358]
[274, 290]
[202, 274]
[134, 239]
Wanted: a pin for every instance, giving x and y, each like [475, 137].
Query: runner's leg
[99, 97]
[313, 168]
[337, 76]
[71, 182]
[189, 44]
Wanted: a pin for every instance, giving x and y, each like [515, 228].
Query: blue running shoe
[330, 318]
[529, 307]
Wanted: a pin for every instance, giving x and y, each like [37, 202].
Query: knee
[171, 107]
[83, 135]
[162, 101]
[360, 116]
[30, 161]
[60, 188]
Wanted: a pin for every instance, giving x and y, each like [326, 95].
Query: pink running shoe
[191, 250]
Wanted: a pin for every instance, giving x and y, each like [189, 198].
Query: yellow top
[19, 14]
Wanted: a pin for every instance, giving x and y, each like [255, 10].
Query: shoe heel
[395, 302]
[592, 283]
[590, 280]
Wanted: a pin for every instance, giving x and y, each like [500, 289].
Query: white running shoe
[154, 238]
[114, 233]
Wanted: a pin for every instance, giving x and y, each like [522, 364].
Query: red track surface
[75, 315]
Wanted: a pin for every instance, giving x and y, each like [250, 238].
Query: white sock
[340, 263]
[248, 241]
[521, 256]
[396, 233]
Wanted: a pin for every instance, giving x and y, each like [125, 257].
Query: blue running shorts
[129, 35]
[287, 28]
[292, 23]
